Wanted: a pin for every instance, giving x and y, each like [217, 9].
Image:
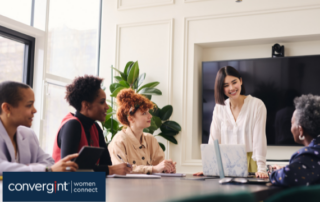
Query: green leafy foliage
[166, 112]
[169, 138]
[130, 78]
[162, 146]
[170, 127]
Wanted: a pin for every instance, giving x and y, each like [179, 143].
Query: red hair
[127, 99]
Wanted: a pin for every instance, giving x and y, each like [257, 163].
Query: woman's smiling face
[232, 87]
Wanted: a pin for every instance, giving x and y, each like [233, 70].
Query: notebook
[170, 174]
[233, 158]
[135, 176]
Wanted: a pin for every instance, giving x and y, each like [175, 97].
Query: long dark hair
[219, 95]
[9, 93]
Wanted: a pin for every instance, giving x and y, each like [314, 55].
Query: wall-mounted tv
[276, 81]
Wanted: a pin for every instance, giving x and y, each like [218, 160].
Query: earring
[301, 137]
[8, 115]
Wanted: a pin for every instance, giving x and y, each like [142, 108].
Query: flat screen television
[276, 81]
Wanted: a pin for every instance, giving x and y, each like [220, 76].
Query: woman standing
[239, 119]
[80, 129]
[140, 149]
[19, 145]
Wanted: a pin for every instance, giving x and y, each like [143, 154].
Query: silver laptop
[233, 157]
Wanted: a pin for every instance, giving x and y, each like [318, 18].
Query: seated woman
[304, 165]
[80, 129]
[19, 146]
[140, 149]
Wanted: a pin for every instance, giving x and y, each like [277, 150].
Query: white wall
[171, 38]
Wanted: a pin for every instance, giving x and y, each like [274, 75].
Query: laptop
[233, 157]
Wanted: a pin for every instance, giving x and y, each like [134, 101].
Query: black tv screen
[276, 81]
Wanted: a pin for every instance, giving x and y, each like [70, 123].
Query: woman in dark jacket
[80, 129]
[304, 165]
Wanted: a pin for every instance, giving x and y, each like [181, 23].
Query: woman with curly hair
[80, 129]
[304, 165]
[132, 144]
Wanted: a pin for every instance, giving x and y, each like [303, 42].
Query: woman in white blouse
[239, 119]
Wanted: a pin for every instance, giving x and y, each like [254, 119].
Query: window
[29, 12]
[16, 56]
[73, 49]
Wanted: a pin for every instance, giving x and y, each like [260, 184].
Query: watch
[48, 169]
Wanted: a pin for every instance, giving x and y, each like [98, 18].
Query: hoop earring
[301, 137]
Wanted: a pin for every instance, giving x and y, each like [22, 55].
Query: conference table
[174, 188]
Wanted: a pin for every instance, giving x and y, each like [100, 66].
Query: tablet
[88, 157]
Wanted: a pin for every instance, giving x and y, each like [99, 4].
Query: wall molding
[170, 24]
[186, 137]
[121, 7]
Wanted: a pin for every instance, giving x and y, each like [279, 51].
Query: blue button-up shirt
[303, 168]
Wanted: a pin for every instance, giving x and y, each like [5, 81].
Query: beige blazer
[141, 154]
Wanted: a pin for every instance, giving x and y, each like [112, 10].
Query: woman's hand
[120, 169]
[198, 174]
[166, 165]
[65, 164]
[262, 175]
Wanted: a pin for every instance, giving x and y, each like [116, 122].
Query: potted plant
[130, 78]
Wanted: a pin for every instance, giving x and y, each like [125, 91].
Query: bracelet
[48, 169]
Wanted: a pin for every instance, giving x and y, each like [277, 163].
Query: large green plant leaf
[166, 112]
[135, 85]
[157, 121]
[153, 127]
[149, 85]
[129, 64]
[109, 113]
[155, 111]
[141, 79]
[124, 84]
[169, 138]
[115, 125]
[151, 91]
[121, 73]
[116, 91]
[114, 86]
[133, 74]
[170, 126]
[129, 68]
[162, 146]
[147, 96]
[118, 78]
[170, 133]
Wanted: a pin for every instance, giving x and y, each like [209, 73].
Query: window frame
[29, 51]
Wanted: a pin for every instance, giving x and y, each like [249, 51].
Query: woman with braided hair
[132, 144]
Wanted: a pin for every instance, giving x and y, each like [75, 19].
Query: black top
[69, 139]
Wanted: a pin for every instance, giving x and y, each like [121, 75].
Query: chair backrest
[227, 197]
[297, 194]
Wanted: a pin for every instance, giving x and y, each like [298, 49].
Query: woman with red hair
[132, 144]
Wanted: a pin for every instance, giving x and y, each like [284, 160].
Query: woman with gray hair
[304, 165]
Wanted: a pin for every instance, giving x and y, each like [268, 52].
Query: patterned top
[141, 154]
[303, 168]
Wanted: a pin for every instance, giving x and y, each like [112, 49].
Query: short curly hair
[308, 114]
[83, 88]
[127, 99]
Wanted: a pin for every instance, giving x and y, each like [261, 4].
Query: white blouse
[249, 129]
